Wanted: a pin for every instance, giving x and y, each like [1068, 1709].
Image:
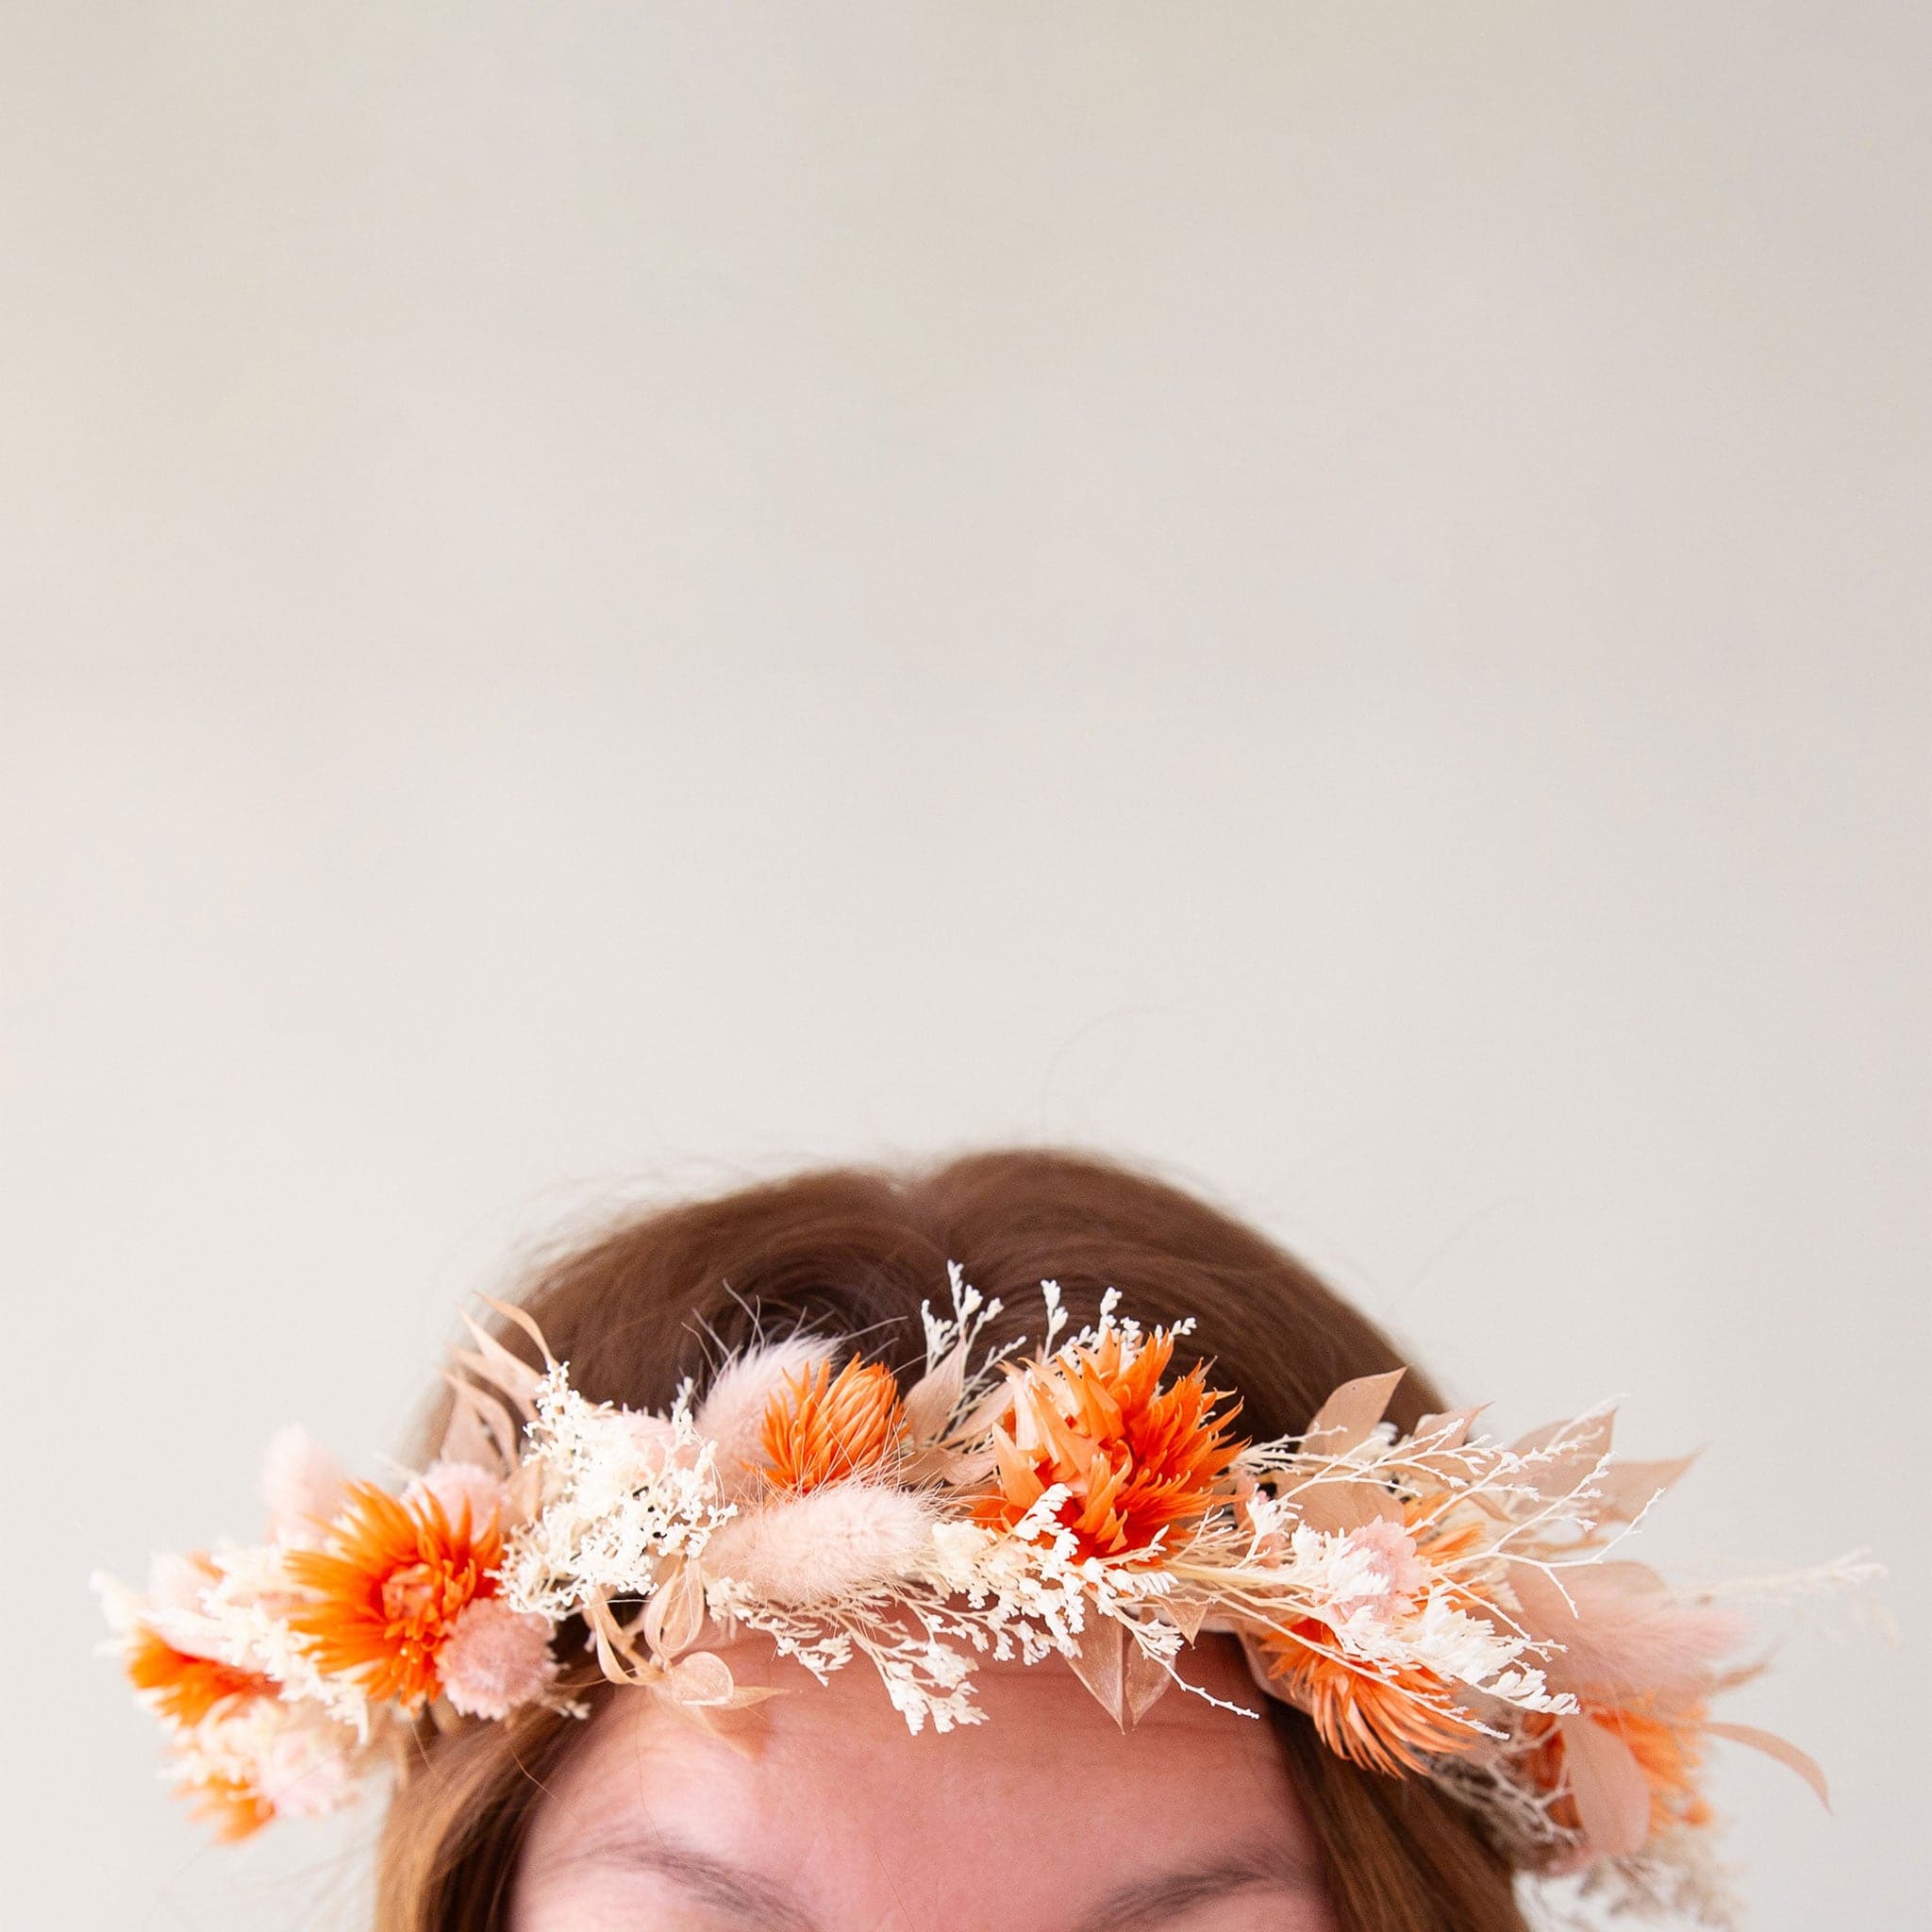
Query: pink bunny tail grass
[835, 1541]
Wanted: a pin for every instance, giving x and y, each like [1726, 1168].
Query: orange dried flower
[1394, 1723]
[186, 1688]
[1136, 1459]
[815, 1432]
[231, 1806]
[387, 1588]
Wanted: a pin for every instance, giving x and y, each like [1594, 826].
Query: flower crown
[1440, 1604]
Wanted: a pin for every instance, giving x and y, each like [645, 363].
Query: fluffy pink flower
[1394, 1563]
[302, 1485]
[458, 1485]
[309, 1771]
[177, 1584]
[656, 1440]
[495, 1659]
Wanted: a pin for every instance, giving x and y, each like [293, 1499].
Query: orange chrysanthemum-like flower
[1136, 1459]
[387, 1589]
[231, 1806]
[1394, 1723]
[1667, 1750]
[816, 1432]
[185, 1688]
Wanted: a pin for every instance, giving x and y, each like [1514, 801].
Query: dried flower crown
[1440, 1604]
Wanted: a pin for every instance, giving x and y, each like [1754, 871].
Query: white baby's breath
[619, 1494]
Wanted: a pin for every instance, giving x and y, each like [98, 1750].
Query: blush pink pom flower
[659, 1443]
[303, 1486]
[177, 1584]
[1396, 1564]
[308, 1772]
[495, 1659]
[458, 1486]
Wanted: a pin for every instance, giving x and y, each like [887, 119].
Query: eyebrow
[715, 1882]
[1141, 1905]
[1148, 1903]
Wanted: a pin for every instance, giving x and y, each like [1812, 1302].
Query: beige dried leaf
[1350, 1413]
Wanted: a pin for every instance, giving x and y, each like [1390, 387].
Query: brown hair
[856, 1251]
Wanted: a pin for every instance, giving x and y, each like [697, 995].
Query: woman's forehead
[820, 1809]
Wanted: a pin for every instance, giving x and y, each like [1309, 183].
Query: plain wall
[602, 597]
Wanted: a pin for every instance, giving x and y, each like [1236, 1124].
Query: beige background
[602, 596]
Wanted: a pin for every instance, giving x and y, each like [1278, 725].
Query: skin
[828, 1816]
